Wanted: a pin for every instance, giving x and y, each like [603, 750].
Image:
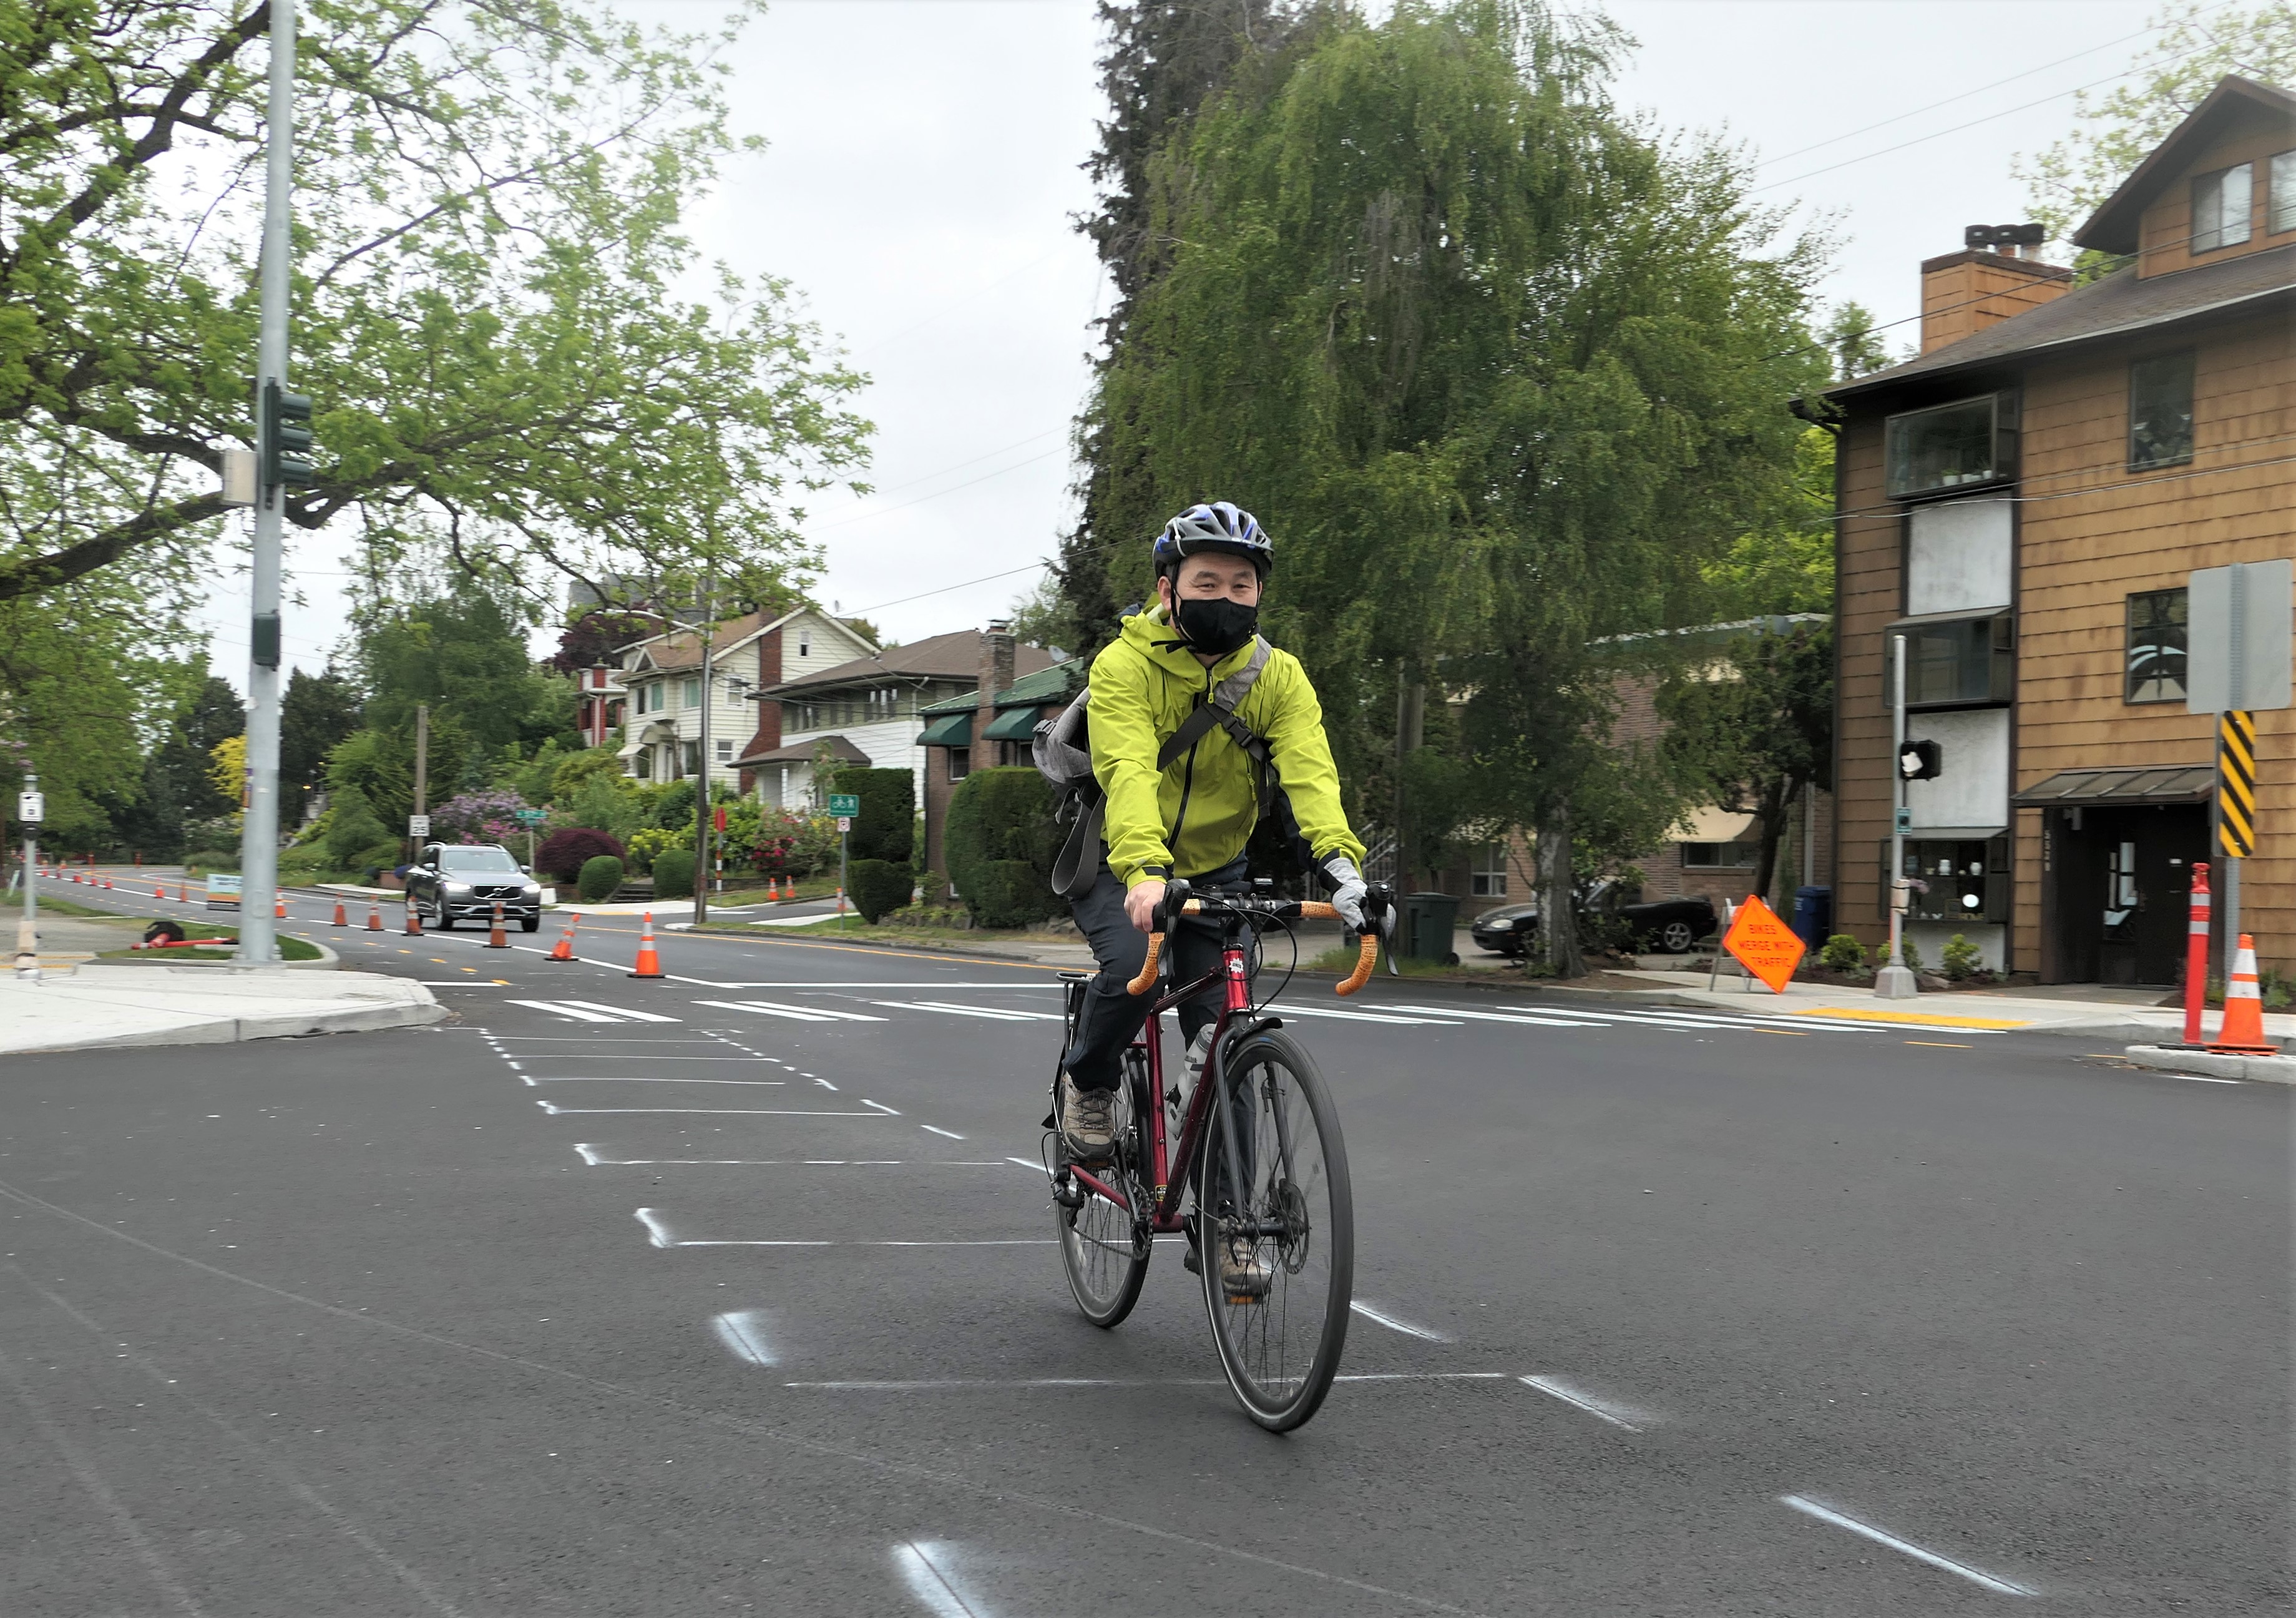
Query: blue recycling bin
[1813, 915]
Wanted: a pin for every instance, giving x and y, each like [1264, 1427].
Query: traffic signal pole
[1895, 981]
[258, 858]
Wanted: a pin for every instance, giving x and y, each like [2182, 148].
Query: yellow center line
[1790, 1033]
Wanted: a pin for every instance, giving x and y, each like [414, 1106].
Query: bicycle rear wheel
[1274, 1175]
[1103, 1248]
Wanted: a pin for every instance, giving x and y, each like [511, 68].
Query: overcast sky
[922, 175]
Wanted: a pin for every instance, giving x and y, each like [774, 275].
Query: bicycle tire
[1103, 1250]
[1279, 1352]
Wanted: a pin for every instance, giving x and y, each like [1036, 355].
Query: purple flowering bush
[487, 816]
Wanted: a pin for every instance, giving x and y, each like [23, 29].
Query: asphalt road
[708, 1295]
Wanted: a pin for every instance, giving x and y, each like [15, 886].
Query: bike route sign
[1764, 945]
[845, 806]
[533, 816]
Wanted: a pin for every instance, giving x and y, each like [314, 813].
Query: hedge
[879, 885]
[673, 874]
[886, 827]
[600, 876]
[563, 854]
[999, 817]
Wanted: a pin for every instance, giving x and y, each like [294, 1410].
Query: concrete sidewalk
[102, 1008]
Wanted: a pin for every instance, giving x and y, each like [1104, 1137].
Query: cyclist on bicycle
[1193, 818]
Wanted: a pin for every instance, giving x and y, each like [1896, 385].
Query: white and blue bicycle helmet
[1219, 526]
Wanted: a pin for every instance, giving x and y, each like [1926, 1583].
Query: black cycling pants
[1111, 1015]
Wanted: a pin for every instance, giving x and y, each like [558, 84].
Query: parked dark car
[452, 881]
[1669, 926]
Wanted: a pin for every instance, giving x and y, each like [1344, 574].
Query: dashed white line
[881, 1106]
[742, 1331]
[1602, 1409]
[1826, 1514]
[1381, 1317]
[937, 1129]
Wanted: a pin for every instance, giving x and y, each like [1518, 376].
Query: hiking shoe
[1243, 1274]
[1087, 1123]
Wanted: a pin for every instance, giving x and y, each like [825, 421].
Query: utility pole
[258, 858]
[702, 788]
[30, 808]
[1895, 981]
[422, 770]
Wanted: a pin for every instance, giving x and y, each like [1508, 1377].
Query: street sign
[31, 807]
[2236, 784]
[844, 825]
[526, 817]
[418, 825]
[845, 806]
[1764, 945]
[2237, 635]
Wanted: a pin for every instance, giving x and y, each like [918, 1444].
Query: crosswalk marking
[565, 1011]
[1527, 1017]
[998, 1014]
[800, 1013]
[1290, 1009]
[590, 1011]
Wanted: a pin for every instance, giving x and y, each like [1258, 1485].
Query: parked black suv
[453, 882]
[1669, 926]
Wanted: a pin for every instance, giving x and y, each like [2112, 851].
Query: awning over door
[954, 731]
[2171, 783]
[1012, 725]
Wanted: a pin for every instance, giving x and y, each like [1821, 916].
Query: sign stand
[1764, 945]
[845, 806]
[1896, 979]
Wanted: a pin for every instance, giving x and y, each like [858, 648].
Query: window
[689, 695]
[2160, 411]
[1956, 662]
[1951, 445]
[2280, 207]
[724, 753]
[1965, 880]
[1487, 871]
[2156, 646]
[2220, 208]
[689, 756]
[1721, 856]
[805, 643]
[960, 762]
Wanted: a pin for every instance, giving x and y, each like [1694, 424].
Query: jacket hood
[1149, 633]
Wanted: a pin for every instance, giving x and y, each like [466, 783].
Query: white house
[662, 717]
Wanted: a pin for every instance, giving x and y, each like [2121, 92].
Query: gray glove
[1348, 891]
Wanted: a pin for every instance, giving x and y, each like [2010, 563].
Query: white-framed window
[1720, 856]
[689, 694]
[1487, 871]
[2280, 194]
[960, 763]
[2221, 205]
[724, 753]
[689, 756]
[805, 643]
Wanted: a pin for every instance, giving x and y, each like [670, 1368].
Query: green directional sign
[533, 816]
[845, 804]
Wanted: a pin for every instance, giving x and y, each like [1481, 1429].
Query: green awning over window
[955, 731]
[1012, 725]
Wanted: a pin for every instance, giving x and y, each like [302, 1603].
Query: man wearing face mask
[1192, 819]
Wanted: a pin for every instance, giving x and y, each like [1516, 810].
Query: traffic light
[1921, 761]
[286, 446]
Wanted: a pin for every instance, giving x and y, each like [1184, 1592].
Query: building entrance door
[2123, 881]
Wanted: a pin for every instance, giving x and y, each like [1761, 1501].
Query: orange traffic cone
[563, 949]
[341, 921]
[107, 882]
[649, 963]
[279, 910]
[495, 939]
[414, 920]
[374, 915]
[2243, 1013]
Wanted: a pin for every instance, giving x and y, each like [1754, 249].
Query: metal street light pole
[258, 859]
[28, 807]
[702, 788]
[1895, 981]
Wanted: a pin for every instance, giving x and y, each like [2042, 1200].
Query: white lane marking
[555, 1009]
[998, 1015]
[911, 984]
[1824, 1513]
[1603, 1409]
[1383, 1319]
[1532, 1018]
[492, 1038]
[742, 1331]
[1033, 1241]
[915, 1563]
[629, 1013]
[590, 1154]
[880, 1105]
[2203, 1079]
[803, 1013]
[936, 1130]
[1034, 1168]
[655, 1229]
[1291, 1008]
[556, 1111]
[628, 1079]
[573, 1056]
[957, 1384]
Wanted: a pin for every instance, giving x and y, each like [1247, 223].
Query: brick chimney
[996, 647]
[1994, 277]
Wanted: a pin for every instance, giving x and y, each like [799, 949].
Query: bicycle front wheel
[1272, 1192]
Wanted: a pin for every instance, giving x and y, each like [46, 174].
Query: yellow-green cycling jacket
[1143, 686]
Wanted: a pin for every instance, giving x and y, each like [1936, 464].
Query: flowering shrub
[782, 844]
[487, 816]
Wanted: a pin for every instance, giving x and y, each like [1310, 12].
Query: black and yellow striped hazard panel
[2236, 782]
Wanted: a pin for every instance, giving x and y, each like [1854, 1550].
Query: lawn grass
[291, 948]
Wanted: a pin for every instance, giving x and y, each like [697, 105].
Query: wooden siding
[2164, 234]
[2090, 532]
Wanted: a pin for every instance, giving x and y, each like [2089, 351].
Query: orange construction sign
[1764, 945]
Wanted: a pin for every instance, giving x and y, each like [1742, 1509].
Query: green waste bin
[1425, 934]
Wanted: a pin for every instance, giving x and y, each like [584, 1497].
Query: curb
[233, 1031]
[2166, 1059]
[328, 961]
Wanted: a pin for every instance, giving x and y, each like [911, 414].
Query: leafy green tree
[1503, 371]
[464, 654]
[318, 711]
[488, 261]
[1850, 337]
[2192, 47]
[81, 685]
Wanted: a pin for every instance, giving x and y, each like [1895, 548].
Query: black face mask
[1219, 625]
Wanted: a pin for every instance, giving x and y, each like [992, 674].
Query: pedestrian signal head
[1920, 760]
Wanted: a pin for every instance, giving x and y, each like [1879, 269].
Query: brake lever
[1387, 908]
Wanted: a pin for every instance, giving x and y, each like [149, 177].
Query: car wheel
[529, 924]
[441, 921]
[1675, 938]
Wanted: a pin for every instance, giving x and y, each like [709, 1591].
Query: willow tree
[1501, 370]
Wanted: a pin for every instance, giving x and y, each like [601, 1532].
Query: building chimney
[1963, 293]
[996, 645]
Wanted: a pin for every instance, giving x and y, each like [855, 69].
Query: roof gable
[2114, 227]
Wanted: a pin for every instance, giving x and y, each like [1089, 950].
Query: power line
[921, 499]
